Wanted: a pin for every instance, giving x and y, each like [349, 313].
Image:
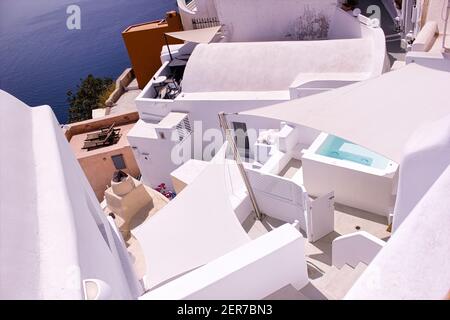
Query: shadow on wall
[312, 24]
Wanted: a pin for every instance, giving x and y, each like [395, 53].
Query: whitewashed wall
[154, 156]
[46, 199]
[252, 271]
[414, 263]
[352, 187]
[265, 20]
[426, 156]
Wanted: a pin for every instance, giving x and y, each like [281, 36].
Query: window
[241, 138]
[118, 161]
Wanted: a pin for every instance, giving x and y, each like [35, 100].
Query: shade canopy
[380, 114]
[198, 226]
[197, 36]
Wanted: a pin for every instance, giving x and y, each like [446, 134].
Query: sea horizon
[41, 59]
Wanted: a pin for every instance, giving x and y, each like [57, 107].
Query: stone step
[337, 282]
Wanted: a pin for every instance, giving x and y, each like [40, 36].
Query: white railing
[354, 248]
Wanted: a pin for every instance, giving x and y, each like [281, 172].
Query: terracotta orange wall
[144, 43]
[99, 168]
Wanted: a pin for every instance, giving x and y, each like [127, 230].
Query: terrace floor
[327, 282]
[77, 142]
[126, 103]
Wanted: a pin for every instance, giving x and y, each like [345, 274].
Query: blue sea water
[40, 58]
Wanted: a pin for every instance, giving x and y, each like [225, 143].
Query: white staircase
[337, 282]
[333, 285]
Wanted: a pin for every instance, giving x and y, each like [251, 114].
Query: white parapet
[252, 271]
[354, 248]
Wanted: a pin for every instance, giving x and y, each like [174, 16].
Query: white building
[250, 63]
[330, 173]
[55, 241]
[206, 244]
[420, 145]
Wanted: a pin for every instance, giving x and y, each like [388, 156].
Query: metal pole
[227, 132]
[168, 48]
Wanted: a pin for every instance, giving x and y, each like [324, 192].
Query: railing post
[227, 132]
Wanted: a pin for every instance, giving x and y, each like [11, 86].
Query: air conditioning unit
[176, 127]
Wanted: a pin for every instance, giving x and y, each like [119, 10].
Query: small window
[241, 138]
[118, 161]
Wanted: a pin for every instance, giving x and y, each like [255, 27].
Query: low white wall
[154, 155]
[435, 60]
[266, 20]
[253, 271]
[328, 82]
[354, 248]
[287, 138]
[351, 187]
[354, 185]
[275, 163]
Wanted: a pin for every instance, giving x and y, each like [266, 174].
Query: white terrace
[198, 80]
[240, 75]
[205, 243]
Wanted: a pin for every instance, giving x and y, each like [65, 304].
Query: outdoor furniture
[159, 82]
[101, 133]
[111, 137]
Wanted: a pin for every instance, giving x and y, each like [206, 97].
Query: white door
[320, 217]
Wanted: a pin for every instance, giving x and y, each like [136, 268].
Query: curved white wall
[251, 271]
[414, 264]
[272, 66]
[53, 232]
[426, 156]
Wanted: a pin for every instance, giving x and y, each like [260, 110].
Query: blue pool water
[338, 148]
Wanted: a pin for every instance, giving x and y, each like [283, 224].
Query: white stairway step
[337, 282]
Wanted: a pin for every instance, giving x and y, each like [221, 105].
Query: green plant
[105, 95]
[90, 95]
